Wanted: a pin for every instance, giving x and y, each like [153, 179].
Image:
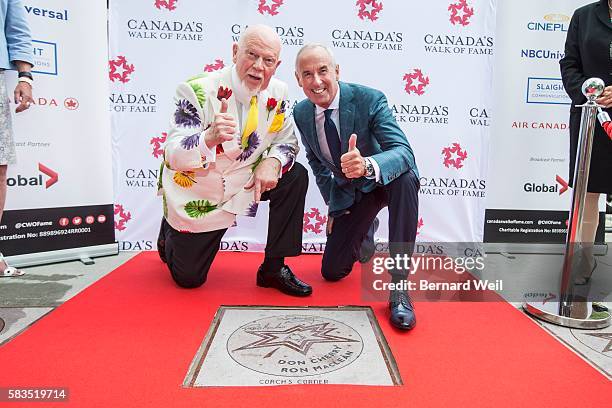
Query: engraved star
[299, 338]
[605, 336]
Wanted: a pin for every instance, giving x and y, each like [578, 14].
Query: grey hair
[312, 46]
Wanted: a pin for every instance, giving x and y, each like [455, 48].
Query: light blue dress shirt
[16, 43]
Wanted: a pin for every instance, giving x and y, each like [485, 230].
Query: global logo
[561, 187]
[369, 9]
[157, 143]
[22, 181]
[416, 82]
[217, 65]
[314, 221]
[454, 156]
[166, 4]
[271, 8]
[120, 70]
[122, 217]
[460, 13]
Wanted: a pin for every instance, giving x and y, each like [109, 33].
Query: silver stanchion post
[572, 311]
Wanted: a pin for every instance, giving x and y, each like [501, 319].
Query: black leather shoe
[402, 310]
[368, 247]
[283, 280]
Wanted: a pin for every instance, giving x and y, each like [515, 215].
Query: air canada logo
[120, 70]
[460, 13]
[301, 345]
[454, 156]
[369, 9]
[314, 221]
[217, 65]
[158, 143]
[269, 7]
[166, 4]
[416, 82]
[71, 103]
[122, 217]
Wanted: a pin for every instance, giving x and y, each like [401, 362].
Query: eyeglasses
[269, 62]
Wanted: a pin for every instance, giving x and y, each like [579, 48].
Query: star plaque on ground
[268, 345]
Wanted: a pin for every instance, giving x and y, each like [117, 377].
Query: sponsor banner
[52, 229]
[530, 226]
[529, 156]
[63, 145]
[445, 117]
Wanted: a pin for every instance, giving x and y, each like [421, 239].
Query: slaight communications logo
[314, 221]
[369, 9]
[416, 82]
[269, 7]
[454, 156]
[217, 65]
[158, 145]
[460, 13]
[169, 5]
[120, 70]
[122, 217]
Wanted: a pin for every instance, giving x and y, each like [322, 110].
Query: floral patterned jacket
[203, 190]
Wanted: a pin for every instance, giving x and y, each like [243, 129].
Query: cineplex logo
[24, 180]
[560, 187]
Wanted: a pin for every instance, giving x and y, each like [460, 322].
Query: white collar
[334, 105]
[243, 94]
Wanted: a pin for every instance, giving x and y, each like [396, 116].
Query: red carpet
[127, 341]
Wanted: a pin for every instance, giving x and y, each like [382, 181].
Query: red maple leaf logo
[460, 13]
[71, 103]
[157, 143]
[271, 9]
[416, 82]
[126, 69]
[214, 67]
[369, 9]
[167, 4]
[420, 225]
[459, 156]
[124, 217]
[319, 221]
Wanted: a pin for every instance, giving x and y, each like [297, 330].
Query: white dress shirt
[335, 117]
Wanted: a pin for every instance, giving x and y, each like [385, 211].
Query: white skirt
[7, 144]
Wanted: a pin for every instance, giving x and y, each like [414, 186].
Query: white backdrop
[60, 193]
[434, 62]
[528, 198]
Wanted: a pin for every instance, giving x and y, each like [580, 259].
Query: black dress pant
[350, 229]
[189, 255]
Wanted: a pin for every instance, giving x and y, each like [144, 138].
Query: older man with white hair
[229, 147]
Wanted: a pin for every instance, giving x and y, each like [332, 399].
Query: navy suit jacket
[365, 112]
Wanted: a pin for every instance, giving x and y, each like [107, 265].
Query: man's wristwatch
[25, 76]
[369, 167]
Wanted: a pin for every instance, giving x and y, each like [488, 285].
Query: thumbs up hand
[352, 163]
[222, 128]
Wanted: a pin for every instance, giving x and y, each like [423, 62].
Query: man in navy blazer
[362, 162]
